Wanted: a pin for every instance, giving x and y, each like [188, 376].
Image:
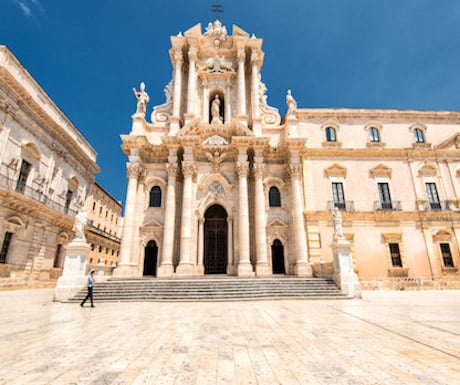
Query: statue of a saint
[142, 99]
[80, 221]
[337, 219]
[291, 104]
[215, 110]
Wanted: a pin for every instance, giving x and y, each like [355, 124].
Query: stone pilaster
[191, 91]
[125, 268]
[166, 268]
[241, 82]
[175, 119]
[186, 264]
[302, 267]
[262, 268]
[255, 84]
[244, 263]
[200, 267]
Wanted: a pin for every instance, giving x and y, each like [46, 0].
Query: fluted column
[175, 119]
[241, 82]
[186, 265]
[125, 267]
[255, 84]
[260, 222]
[244, 262]
[166, 268]
[191, 92]
[302, 267]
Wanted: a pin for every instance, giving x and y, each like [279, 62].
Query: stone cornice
[369, 114]
[380, 153]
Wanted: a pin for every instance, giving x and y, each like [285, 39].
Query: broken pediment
[427, 170]
[216, 140]
[450, 143]
[277, 223]
[336, 170]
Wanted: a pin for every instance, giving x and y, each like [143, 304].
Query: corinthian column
[244, 262]
[185, 264]
[177, 91]
[166, 268]
[241, 82]
[125, 268]
[255, 84]
[302, 267]
[261, 234]
[191, 92]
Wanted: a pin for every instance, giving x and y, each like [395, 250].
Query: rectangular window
[5, 247]
[395, 255]
[23, 174]
[338, 195]
[446, 255]
[433, 197]
[385, 198]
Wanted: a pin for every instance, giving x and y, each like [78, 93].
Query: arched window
[274, 197]
[155, 197]
[374, 135]
[419, 136]
[330, 134]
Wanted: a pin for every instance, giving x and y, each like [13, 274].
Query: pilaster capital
[188, 169]
[192, 53]
[178, 56]
[134, 170]
[254, 57]
[171, 169]
[258, 170]
[242, 169]
[294, 171]
[241, 55]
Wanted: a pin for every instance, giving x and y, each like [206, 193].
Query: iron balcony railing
[103, 233]
[387, 206]
[342, 206]
[34, 193]
[438, 206]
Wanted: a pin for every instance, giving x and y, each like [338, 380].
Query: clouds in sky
[29, 7]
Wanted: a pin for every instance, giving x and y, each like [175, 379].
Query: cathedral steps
[213, 289]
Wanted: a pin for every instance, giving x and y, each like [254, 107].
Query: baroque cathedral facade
[220, 183]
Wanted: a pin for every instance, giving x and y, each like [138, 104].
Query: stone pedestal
[73, 277]
[185, 270]
[165, 270]
[303, 269]
[344, 276]
[125, 270]
[138, 127]
[245, 270]
[263, 270]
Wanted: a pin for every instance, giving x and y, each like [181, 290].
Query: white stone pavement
[410, 337]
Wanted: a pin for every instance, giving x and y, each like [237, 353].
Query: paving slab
[388, 338]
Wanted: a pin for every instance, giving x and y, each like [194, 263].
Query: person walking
[91, 283]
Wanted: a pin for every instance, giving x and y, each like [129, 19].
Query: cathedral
[220, 183]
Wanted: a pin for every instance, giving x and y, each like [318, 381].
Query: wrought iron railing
[387, 206]
[342, 206]
[36, 194]
[103, 233]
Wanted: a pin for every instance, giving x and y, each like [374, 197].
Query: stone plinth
[303, 269]
[165, 270]
[263, 270]
[125, 270]
[73, 276]
[344, 276]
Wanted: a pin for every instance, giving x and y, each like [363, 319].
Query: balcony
[102, 233]
[387, 206]
[342, 206]
[36, 194]
[436, 206]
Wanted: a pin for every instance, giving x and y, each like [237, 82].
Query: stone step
[212, 289]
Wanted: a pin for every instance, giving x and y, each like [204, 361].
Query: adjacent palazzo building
[46, 171]
[218, 183]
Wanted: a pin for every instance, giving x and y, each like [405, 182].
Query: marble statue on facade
[291, 104]
[337, 219]
[215, 110]
[142, 99]
[80, 221]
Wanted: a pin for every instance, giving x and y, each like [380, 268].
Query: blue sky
[87, 55]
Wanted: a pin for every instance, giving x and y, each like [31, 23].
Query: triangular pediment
[452, 142]
[428, 170]
[237, 31]
[151, 223]
[381, 170]
[336, 170]
[277, 223]
[194, 31]
[216, 140]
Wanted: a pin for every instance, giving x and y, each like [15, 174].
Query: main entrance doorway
[278, 257]
[150, 258]
[215, 240]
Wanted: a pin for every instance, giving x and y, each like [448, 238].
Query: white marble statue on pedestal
[215, 110]
[79, 227]
[142, 99]
[291, 104]
[337, 219]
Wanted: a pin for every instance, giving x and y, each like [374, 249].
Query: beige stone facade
[103, 231]
[218, 183]
[47, 169]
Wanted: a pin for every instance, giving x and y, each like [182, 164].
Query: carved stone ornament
[161, 113]
[242, 169]
[216, 140]
[294, 170]
[171, 169]
[217, 32]
[134, 170]
[188, 169]
[216, 159]
[217, 64]
[291, 104]
[269, 115]
[216, 188]
[258, 170]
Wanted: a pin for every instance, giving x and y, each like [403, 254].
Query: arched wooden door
[215, 240]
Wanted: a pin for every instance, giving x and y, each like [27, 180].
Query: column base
[303, 269]
[127, 270]
[185, 270]
[165, 271]
[245, 270]
[200, 270]
[263, 270]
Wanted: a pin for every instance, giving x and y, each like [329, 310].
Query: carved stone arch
[333, 123]
[336, 170]
[210, 200]
[206, 182]
[273, 181]
[373, 123]
[155, 181]
[420, 126]
[427, 170]
[14, 223]
[381, 171]
[146, 237]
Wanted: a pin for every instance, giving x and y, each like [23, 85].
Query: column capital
[171, 169]
[178, 56]
[258, 170]
[134, 170]
[241, 55]
[192, 53]
[294, 170]
[242, 169]
[254, 57]
[188, 168]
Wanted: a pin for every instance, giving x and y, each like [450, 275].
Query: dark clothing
[91, 282]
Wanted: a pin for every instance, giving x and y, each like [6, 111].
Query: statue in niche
[337, 219]
[215, 110]
[142, 99]
[291, 104]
